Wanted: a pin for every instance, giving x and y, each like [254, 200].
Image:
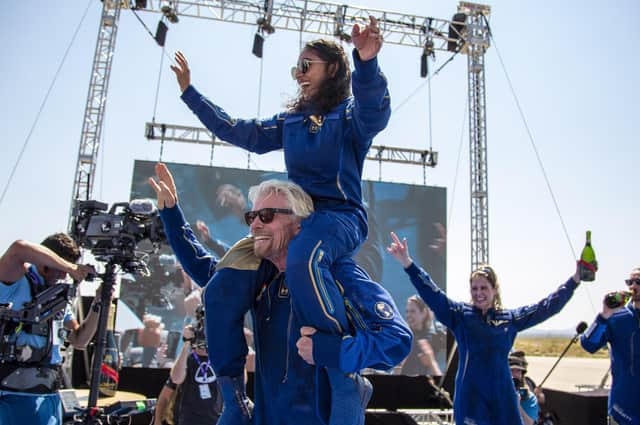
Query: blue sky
[572, 66]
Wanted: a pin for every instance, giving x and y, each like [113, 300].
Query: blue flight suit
[622, 332]
[326, 159]
[287, 389]
[484, 390]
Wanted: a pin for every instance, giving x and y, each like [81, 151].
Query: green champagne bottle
[588, 263]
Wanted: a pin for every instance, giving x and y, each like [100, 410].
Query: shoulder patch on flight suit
[384, 310]
[240, 256]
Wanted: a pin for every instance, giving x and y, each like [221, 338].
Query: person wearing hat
[529, 407]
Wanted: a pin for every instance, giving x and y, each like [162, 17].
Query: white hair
[299, 201]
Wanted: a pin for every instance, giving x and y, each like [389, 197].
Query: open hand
[400, 250]
[368, 41]
[182, 71]
[165, 187]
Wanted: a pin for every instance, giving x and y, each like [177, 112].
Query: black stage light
[258, 43]
[161, 33]
[424, 65]
[455, 31]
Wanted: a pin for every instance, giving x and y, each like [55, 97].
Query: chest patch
[384, 310]
[496, 323]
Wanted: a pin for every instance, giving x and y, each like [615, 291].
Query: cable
[455, 178]
[428, 80]
[155, 103]
[535, 150]
[430, 121]
[150, 33]
[42, 105]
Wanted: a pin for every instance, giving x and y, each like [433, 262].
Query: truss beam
[199, 135]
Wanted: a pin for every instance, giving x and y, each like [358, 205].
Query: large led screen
[214, 199]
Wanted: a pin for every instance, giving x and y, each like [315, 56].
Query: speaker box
[576, 408]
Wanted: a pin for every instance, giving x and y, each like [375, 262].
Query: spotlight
[265, 26]
[455, 31]
[161, 33]
[258, 42]
[424, 65]
[424, 59]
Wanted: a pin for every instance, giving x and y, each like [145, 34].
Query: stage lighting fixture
[455, 31]
[424, 59]
[265, 26]
[424, 65]
[170, 13]
[258, 43]
[161, 33]
[141, 4]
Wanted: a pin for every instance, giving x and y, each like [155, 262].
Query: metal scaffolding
[466, 33]
[96, 103]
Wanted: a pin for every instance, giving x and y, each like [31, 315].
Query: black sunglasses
[266, 214]
[303, 66]
[630, 282]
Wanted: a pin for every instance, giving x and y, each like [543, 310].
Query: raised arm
[13, 262]
[372, 108]
[444, 308]
[195, 259]
[597, 336]
[531, 315]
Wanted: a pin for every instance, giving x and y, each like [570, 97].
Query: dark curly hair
[334, 89]
[63, 246]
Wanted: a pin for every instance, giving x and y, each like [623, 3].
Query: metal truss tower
[467, 33]
[96, 102]
[477, 42]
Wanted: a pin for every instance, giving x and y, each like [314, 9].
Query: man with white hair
[291, 384]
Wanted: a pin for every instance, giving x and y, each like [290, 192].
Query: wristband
[170, 384]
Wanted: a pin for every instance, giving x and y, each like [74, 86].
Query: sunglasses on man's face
[630, 282]
[266, 214]
[303, 66]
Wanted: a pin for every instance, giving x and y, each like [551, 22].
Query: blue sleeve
[530, 406]
[253, 135]
[531, 315]
[372, 107]
[444, 308]
[379, 339]
[596, 336]
[194, 258]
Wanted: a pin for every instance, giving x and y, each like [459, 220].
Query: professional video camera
[115, 235]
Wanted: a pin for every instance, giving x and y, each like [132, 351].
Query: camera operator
[529, 405]
[30, 353]
[197, 398]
